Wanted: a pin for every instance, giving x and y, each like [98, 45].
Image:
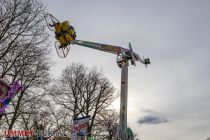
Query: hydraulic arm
[122, 53]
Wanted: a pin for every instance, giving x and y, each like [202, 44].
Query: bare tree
[106, 125]
[43, 116]
[32, 72]
[104, 122]
[83, 92]
[23, 54]
[20, 22]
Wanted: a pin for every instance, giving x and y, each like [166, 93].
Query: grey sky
[174, 34]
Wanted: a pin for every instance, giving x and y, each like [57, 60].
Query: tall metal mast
[123, 58]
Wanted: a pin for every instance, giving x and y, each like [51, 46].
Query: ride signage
[80, 126]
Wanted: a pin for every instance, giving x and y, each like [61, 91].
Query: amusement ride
[66, 36]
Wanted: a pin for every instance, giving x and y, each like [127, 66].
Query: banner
[79, 128]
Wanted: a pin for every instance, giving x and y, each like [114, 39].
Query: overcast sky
[169, 100]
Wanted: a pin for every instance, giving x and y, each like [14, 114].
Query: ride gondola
[64, 34]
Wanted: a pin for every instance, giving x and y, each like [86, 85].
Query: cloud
[152, 119]
[208, 138]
